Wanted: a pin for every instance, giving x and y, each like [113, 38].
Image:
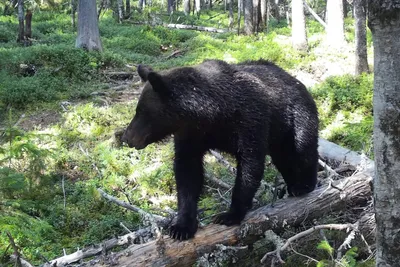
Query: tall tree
[299, 34]
[345, 8]
[230, 7]
[197, 7]
[186, 7]
[384, 22]
[88, 26]
[264, 13]
[127, 8]
[248, 16]
[256, 15]
[335, 23]
[120, 6]
[28, 25]
[360, 8]
[171, 6]
[73, 11]
[21, 35]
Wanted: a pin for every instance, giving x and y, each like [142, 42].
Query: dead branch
[197, 28]
[218, 182]
[23, 262]
[315, 15]
[97, 249]
[222, 160]
[17, 256]
[307, 232]
[159, 220]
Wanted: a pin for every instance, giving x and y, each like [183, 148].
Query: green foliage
[345, 110]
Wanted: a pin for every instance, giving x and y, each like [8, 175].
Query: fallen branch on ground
[222, 160]
[97, 249]
[290, 240]
[159, 220]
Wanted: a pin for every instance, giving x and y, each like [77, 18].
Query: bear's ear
[158, 83]
[143, 72]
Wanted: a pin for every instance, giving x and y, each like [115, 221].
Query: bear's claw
[181, 231]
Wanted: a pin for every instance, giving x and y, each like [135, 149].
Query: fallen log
[196, 28]
[333, 151]
[293, 211]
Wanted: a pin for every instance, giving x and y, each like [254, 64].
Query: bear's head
[156, 116]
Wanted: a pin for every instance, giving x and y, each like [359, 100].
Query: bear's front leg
[250, 170]
[188, 167]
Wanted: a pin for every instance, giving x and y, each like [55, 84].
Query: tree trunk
[120, 6]
[335, 23]
[28, 24]
[263, 14]
[197, 8]
[142, 4]
[88, 26]
[127, 9]
[73, 10]
[345, 8]
[384, 22]
[230, 7]
[299, 34]
[256, 17]
[360, 7]
[21, 35]
[171, 6]
[248, 16]
[186, 7]
[240, 11]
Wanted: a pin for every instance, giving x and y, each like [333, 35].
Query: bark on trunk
[263, 13]
[384, 22]
[345, 8]
[299, 34]
[197, 8]
[142, 4]
[240, 11]
[171, 6]
[360, 8]
[256, 15]
[186, 7]
[120, 5]
[127, 9]
[21, 35]
[73, 10]
[248, 16]
[335, 23]
[28, 24]
[230, 7]
[88, 26]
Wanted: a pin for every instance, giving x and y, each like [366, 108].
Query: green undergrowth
[345, 111]
[52, 69]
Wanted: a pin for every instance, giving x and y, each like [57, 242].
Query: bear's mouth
[139, 146]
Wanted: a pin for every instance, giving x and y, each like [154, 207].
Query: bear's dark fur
[249, 110]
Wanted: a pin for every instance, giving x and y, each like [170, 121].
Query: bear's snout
[133, 141]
